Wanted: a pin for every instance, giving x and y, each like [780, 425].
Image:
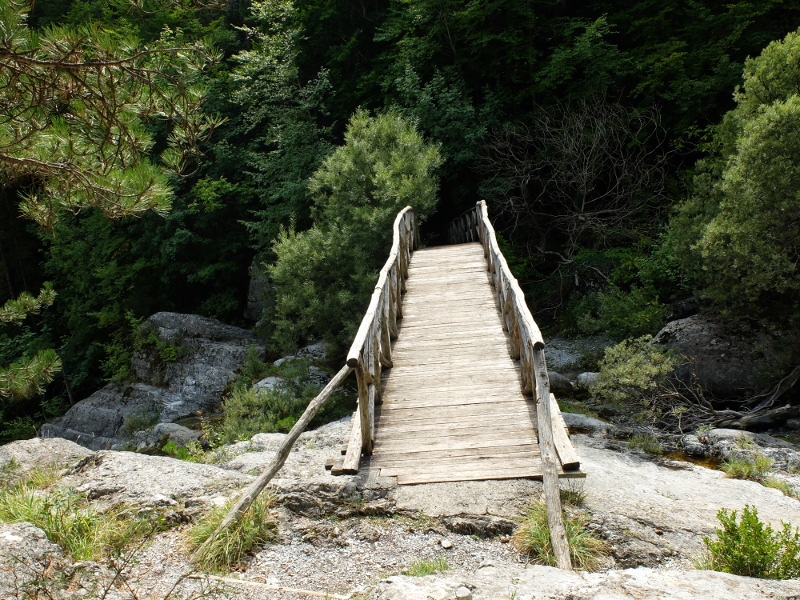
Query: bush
[249, 410]
[634, 373]
[532, 537]
[751, 548]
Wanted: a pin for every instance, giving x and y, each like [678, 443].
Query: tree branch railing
[527, 346]
[371, 350]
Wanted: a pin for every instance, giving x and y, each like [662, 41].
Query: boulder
[155, 438]
[571, 356]
[728, 358]
[207, 354]
[559, 384]
[38, 452]
[586, 380]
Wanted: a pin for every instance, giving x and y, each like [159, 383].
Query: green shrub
[532, 537]
[634, 373]
[751, 548]
[753, 466]
[622, 314]
[232, 544]
[648, 444]
[249, 410]
[323, 277]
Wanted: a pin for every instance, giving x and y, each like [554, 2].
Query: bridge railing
[527, 346]
[372, 346]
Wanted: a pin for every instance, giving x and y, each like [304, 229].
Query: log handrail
[527, 346]
[371, 349]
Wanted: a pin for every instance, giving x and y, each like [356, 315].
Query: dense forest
[641, 161]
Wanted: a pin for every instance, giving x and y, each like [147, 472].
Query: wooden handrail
[527, 346]
[372, 346]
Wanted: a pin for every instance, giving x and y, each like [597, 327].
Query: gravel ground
[343, 558]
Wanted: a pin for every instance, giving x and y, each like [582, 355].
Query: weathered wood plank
[352, 457]
[566, 451]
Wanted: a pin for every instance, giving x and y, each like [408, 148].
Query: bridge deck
[452, 407]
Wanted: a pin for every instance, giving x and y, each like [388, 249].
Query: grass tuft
[427, 566]
[753, 466]
[648, 444]
[83, 532]
[532, 537]
[231, 545]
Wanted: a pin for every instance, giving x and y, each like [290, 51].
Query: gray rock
[585, 380]
[535, 581]
[315, 351]
[38, 452]
[571, 356]
[728, 358]
[584, 423]
[162, 433]
[269, 384]
[691, 445]
[209, 355]
[153, 482]
[463, 593]
[559, 384]
[29, 562]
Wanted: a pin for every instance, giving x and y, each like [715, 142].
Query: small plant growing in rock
[427, 566]
[747, 462]
[647, 443]
[532, 537]
[230, 546]
[82, 531]
[752, 548]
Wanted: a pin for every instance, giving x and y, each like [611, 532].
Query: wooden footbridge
[452, 379]
[450, 364]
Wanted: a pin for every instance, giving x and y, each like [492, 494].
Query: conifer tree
[81, 110]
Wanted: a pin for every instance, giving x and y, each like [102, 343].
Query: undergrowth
[752, 548]
[250, 410]
[233, 543]
[647, 443]
[67, 518]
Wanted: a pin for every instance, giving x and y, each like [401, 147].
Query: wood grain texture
[453, 409]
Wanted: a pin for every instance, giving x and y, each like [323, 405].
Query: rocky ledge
[353, 536]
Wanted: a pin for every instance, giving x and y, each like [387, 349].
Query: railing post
[371, 349]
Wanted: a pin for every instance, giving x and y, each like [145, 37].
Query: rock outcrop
[728, 358]
[203, 359]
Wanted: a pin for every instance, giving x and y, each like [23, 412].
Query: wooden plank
[566, 451]
[423, 454]
[352, 457]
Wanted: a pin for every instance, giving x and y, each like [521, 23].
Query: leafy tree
[323, 276]
[743, 223]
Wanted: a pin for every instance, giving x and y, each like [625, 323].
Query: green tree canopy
[743, 224]
[323, 276]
